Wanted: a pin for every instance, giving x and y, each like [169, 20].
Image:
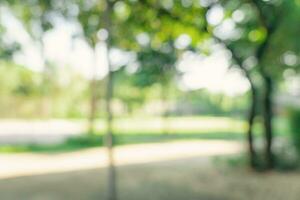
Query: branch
[168, 13]
[271, 29]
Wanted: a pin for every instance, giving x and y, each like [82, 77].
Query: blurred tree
[108, 26]
[240, 50]
[91, 22]
[157, 67]
[247, 29]
[258, 26]
[257, 33]
[127, 91]
[148, 29]
[37, 18]
[96, 20]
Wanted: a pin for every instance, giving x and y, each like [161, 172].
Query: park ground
[196, 160]
[189, 170]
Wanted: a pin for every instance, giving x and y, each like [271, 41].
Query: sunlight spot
[183, 41]
[215, 15]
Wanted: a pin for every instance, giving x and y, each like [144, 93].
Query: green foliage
[160, 21]
[35, 15]
[91, 19]
[266, 33]
[286, 158]
[202, 102]
[85, 141]
[294, 119]
[127, 91]
[23, 90]
[7, 49]
[156, 66]
[285, 48]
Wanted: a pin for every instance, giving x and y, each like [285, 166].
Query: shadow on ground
[185, 179]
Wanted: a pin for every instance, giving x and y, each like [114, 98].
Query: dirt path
[176, 171]
[26, 164]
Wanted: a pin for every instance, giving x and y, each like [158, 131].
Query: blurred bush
[294, 121]
[85, 141]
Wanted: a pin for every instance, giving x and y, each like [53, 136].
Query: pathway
[27, 164]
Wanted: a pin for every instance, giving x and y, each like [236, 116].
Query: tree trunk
[44, 88]
[268, 118]
[112, 192]
[93, 107]
[165, 114]
[93, 92]
[251, 118]
[252, 112]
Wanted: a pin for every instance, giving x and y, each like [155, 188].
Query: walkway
[27, 164]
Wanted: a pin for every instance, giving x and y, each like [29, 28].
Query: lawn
[174, 125]
[187, 125]
[152, 129]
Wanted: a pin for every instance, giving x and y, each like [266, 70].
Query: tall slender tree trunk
[93, 98]
[112, 191]
[268, 119]
[93, 107]
[44, 101]
[165, 114]
[251, 118]
[252, 110]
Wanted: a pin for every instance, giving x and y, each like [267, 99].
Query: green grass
[82, 142]
[175, 125]
[146, 130]
[71, 144]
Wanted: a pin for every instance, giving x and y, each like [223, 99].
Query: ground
[188, 170]
[175, 171]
